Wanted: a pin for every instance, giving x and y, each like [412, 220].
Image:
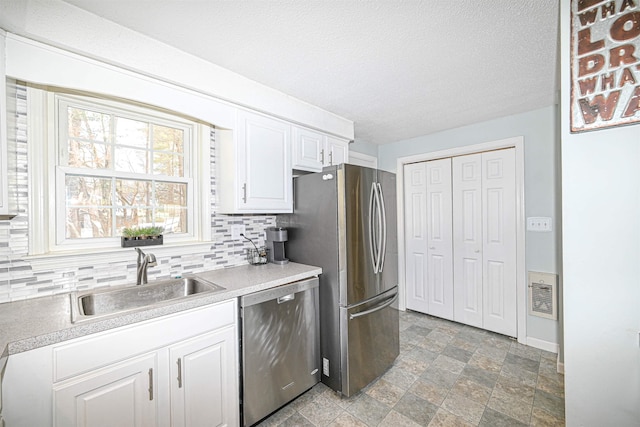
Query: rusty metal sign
[605, 63]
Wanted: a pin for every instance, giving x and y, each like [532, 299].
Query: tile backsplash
[18, 280]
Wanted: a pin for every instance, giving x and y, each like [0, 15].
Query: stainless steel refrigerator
[344, 221]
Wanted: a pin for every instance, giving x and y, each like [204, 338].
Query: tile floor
[447, 374]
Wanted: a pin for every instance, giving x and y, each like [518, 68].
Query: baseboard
[543, 345]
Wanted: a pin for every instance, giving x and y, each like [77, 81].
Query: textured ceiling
[397, 68]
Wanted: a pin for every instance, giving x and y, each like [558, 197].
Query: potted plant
[141, 236]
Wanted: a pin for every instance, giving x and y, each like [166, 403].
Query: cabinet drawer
[97, 350]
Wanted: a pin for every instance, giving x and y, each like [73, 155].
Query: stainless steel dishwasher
[280, 347]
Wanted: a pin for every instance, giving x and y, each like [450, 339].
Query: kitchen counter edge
[29, 324]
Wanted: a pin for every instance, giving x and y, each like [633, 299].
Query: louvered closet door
[467, 235]
[439, 239]
[415, 220]
[499, 247]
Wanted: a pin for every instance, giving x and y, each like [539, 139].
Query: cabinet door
[308, 149]
[338, 151]
[467, 237]
[439, 239]
[264, 160]
[204, 374]
[122, 395]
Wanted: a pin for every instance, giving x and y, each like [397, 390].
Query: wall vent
[543, 295]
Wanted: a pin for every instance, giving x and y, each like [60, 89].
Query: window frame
[47, 177]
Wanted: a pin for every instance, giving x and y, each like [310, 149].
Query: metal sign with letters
[605, 63]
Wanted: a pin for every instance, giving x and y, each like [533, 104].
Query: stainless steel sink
[96, 304]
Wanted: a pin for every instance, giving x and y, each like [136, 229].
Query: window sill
[83, 258]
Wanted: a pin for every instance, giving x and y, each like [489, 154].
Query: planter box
[130, 242]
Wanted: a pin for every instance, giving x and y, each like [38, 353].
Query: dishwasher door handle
[286, 298]
[374, 309]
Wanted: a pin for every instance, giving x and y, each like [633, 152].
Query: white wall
[601, 240]
[542, 182]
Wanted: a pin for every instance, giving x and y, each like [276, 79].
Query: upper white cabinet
[313, 150]
[254, 164]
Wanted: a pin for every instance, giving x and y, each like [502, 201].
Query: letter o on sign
[626, 27]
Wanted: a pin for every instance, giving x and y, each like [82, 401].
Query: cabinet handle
[331, 158]
[322, 156]
[244, 193]
[151, 384]
[179, 372]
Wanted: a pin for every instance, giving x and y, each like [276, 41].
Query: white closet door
[467, 237]
[415, 222]
[439, 239]
[499, 247]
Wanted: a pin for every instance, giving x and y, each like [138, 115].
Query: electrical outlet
[237, 230]
[325, 366]
[539, 223]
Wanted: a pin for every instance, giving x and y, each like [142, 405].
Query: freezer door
[370, 340]
[357, 213]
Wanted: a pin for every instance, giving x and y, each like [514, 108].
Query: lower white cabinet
[118, 395]
[203, 367]
[178, 370]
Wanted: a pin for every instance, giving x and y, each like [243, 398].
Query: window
[117, 165]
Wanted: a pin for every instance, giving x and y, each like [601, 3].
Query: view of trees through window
[122, 172]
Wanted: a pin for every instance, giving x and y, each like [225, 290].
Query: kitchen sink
[96, 304]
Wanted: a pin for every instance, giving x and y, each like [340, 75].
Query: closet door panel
[439, 239]
[415, 220]
[467, 238]
[499, 245]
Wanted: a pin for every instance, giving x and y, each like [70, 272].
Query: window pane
[88, 124]
[173, 219]
[168, 139]
[88, 222]
[88, 155]
[133, 193]
[88, 191]
[169, 193]
[132, 132]
[133, 217]
[131, 160]
[168, 164]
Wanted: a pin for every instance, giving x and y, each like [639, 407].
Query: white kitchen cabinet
[202, 367]
[180, 370]
[117, 395]
[313, 150]
[254, 166]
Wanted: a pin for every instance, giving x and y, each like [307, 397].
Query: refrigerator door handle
[378, 307]
[383, 247]
[372, 247]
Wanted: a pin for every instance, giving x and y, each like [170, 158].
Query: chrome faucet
[144, 261]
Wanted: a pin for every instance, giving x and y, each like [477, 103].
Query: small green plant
[130, 232]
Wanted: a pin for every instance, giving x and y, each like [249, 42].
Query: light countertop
[37, 322]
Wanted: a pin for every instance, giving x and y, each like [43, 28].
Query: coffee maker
[276, 236]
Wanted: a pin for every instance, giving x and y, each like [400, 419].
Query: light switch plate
[539, 223]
